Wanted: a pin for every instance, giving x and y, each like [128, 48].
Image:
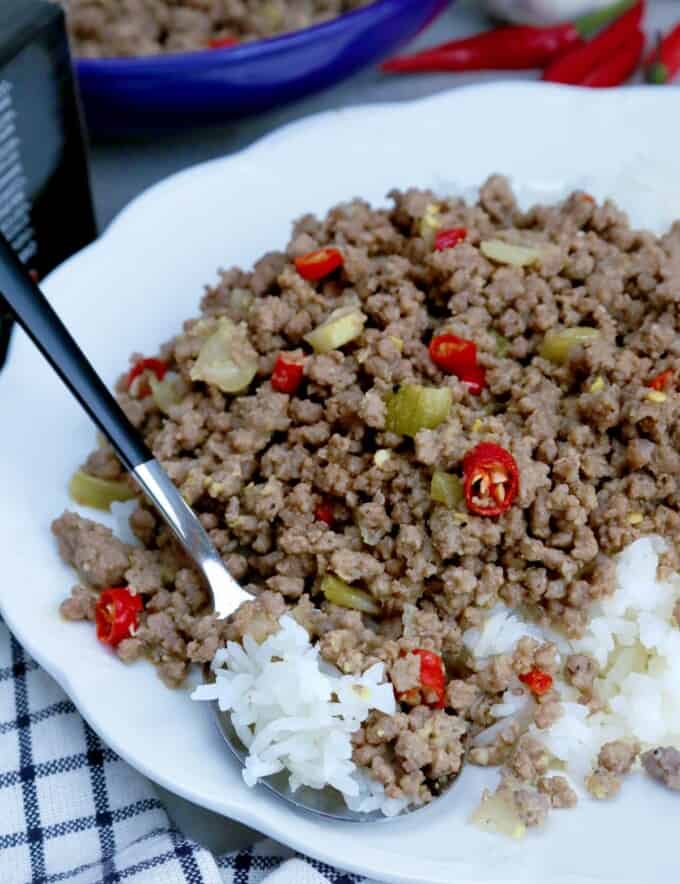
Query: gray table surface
[121, 170]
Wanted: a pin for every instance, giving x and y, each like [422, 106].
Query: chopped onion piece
[430, 223]
[342, 326]
[557, 345]
[496, 813]
[168, 392]
[227, 359]
[413, 408]
[345, 596]
[98, 493]
[507, 253]
[446, 489]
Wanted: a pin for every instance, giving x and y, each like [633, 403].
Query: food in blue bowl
[169, 72]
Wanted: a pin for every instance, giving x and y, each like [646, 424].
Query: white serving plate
[132, 289]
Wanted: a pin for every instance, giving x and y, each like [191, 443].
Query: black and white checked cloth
[72, 811]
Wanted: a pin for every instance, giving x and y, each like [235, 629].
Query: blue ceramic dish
[125, 95]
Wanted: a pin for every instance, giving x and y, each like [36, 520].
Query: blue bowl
[166, 92]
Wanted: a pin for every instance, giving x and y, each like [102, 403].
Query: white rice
[294, 712]
[636, 643]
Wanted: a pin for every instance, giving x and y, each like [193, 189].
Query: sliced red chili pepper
[432, 681]
[324, 512]
[662, 380]
[286, 376]
[510, 48]
[575, 65]
[453, 354]
[222, 42]
[537, 681]
[116, 615]
[617, 68]
[474, 379]
[157, 366]
[316, 265]
[447, 239]
[664, 63]
[490, 479]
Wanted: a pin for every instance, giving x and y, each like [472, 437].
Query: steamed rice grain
[293, 712]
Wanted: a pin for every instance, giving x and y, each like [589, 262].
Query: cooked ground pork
[597, 457]
[110, 28]
[663, 764]
[618, 756]
[603, 784]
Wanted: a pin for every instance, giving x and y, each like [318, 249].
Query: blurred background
[150, 87]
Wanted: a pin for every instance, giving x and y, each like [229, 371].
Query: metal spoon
[34, 313]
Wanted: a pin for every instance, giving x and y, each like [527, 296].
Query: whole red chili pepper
[116, 615]
[286, 376]
[490, 479]
[615, 70]
[664, 62]
[662, 380]
[512, 48]
[537, 681]
[315, 265]
[574, 66]
[447, 239]
[157, 366]
[432, 681]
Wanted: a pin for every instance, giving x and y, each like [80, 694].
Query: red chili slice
[316, 265]
[490, 479]
[222, 42]
[447, 239]
[453, 354]
[116, 615]
[432, 681]
[662, 380]
[537, 681]
[324, 512]
[286, 376]
[474, 379]
[142, 389]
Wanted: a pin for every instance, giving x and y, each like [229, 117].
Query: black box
[46, 207]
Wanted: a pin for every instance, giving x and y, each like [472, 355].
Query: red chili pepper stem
[588, 25]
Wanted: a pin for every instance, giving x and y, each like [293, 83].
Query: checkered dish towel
[72, 811]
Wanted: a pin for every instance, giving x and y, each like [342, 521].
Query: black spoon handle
[34, 313]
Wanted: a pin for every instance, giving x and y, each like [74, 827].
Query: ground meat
[603, 785]
[596, 456]
[80, 605]
[559, 791]
[532, 807]
[99, 558]
[581, 671]
[663, 764]
[102, 28]
[530, 760]
[618, 756]
[404, 752]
